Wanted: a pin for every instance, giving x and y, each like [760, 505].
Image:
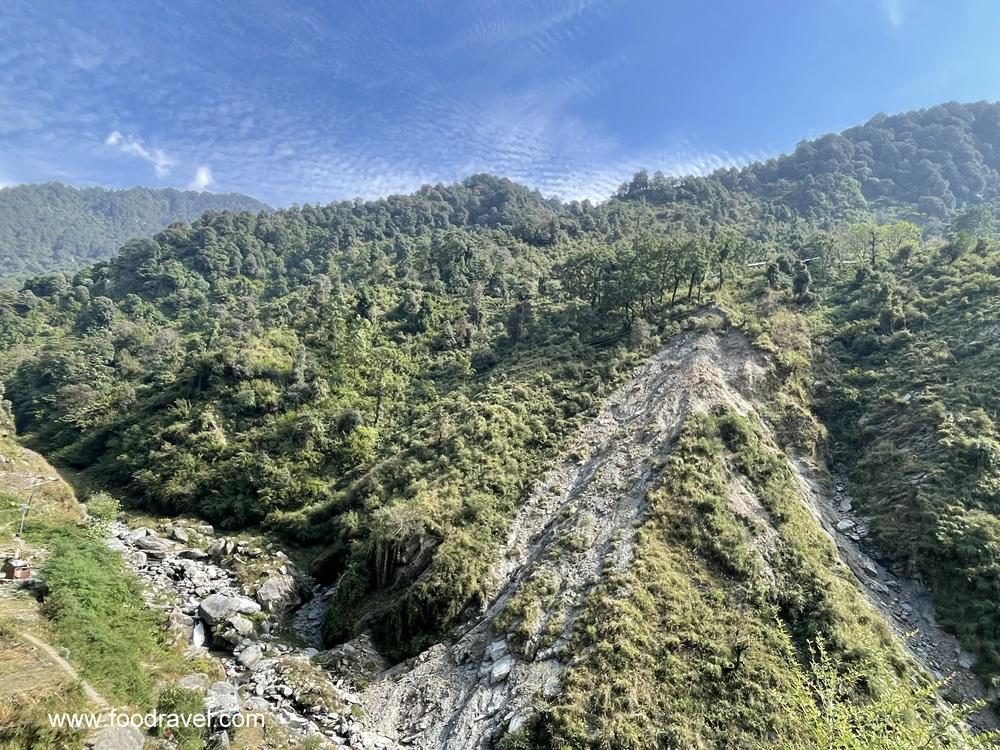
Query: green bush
[103, 508]
[178, 705]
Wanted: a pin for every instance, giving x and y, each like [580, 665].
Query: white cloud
[202, 178]
[133, 146]
[893, 12]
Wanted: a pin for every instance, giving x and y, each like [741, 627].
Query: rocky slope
[902, 599]
[469, 692]
[488, 681]
[238, 601]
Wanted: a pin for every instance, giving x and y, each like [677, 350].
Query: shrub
[103, 508]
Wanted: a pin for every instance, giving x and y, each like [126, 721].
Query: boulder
[241, 625]
[128, 737]
[501, 669]
[278, 593]
[193, 554]
[250, 656]
[136, 558]
[221, 698]
[180, 535]
[258, 705]
[217, 548]
[116, 545]
[845, 525]
[217, 607]
[153, 544]
[218, 741]
[136, 534]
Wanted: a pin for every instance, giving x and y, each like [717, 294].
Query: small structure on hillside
[16, 568]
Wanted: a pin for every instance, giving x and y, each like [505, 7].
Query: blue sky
[319, 101]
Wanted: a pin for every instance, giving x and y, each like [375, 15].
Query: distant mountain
[923, 166]
[52, 227]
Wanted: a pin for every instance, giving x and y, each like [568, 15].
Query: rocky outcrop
[199, 591]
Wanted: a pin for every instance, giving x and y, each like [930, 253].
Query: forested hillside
[383, 383]
[921, 166]
[52, 227]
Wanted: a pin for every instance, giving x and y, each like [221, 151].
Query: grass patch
[98, 614]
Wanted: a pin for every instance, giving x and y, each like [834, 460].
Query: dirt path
[92, 695]
[576, 526]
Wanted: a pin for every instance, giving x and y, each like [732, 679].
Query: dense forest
[52, 227]
[381, 383]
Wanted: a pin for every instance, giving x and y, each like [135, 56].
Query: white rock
[250, 656]
[129, 737]
[496, 649]
[501, 669]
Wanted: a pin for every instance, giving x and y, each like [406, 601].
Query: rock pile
[197, 588]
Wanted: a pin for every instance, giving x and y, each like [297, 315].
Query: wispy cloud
[894, 12]
[202, 178]
[134, 146]
[362, 101]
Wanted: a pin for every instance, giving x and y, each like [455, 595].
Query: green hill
[52, 227]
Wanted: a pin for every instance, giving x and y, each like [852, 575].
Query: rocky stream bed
[239, 604]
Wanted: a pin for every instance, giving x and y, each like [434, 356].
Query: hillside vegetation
[53, 227]
[383, 382]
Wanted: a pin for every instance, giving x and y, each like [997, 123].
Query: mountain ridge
[46, 227]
